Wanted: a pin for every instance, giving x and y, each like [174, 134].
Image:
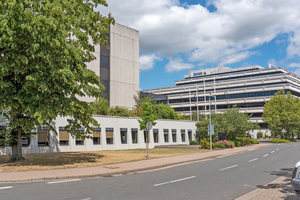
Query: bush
[231, 144]
[226, 143]
[279, 141]
[206, 145]
[254, 141]
[259, 134]
[237, 143]
[219, 145]
[193, 142]
[292, 140]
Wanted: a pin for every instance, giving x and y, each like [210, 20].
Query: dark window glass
[104, 61]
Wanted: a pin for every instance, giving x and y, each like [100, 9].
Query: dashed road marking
[252, 160]
[182, 179]
[7, 187]
[272, 151]
[228, 167]
[277, 149]
[64, 181]
[250, 149]
[265, 155]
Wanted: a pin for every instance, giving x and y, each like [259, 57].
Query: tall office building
[118, 66]
[247, 87]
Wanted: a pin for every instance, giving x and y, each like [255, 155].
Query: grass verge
[44, 161]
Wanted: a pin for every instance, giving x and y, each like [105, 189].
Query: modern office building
[247, 87]
[118, 66]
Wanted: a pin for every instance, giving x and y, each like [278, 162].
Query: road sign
[211, 129]
[149, 126]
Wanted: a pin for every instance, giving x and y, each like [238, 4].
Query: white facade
[115, 123]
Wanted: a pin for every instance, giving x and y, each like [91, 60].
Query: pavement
[280, 188]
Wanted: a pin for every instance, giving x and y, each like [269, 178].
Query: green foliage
[165, 112]
[192, 142]
[147, 115]
[100, 106]
[206, 145]
[282, 112]
[220, 145]
[44, 68]
[279, 141]
[237, 143]
[259, 134]
[253, 141]
[119, 111]
[231, 121]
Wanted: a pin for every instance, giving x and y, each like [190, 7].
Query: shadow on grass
[52, 159]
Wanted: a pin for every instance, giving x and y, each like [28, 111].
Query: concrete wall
[116, 123]
[124, 65]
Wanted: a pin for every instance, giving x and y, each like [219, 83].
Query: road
[224, 178]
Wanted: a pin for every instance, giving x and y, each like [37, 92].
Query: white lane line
[86, 199]
[252, 160]
[277, 149]
[228, 167]
[250, 149]
[265, 155]
[272, 151]
[64, 181]
[182, 179]
[8, 187]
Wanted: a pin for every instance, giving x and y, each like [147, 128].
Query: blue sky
[178, 36]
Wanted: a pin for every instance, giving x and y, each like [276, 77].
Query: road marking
[277, 149]
[265, 155]
[64, 181]
[250, 149]
[86, 199]
[182, 179]
[252, 160]
[272, 151]
[228, 167]
[8, 187]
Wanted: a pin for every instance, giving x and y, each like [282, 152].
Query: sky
[177, 36]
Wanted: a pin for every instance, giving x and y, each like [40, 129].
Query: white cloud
[176, 65]
[294, 65]
[147, 61]
[225, 36]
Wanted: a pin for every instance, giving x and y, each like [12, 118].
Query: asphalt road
[224, 178]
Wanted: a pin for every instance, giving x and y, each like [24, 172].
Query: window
[2, 138]
[134, 135]
[63, 137]
[104, 61]
[190, 134]
[166, 135]
[25, 142]
[155, 135]
[79, 141]
[109, 135]
[174, 135]
[43, 136]
[182, 135]
[96, 136]
[123, 135]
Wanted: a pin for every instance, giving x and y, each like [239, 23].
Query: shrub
[237, 143]
[231, 144]
[292, 140]
[247, 141]
[279, 141]
[259, 134]
[254, 141]
[219, 145]
[226, 143]
[193, 142]
[206, 145]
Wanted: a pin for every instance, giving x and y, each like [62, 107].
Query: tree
[147, 116]
[100, 106]
[119, 111]
[165, 112]
[282, 112]
[44, 48]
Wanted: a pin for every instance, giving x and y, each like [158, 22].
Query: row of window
[240, 105]
[229, 96]
[229, 78]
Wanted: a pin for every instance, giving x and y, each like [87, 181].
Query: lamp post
[283, 132]
[210, 126]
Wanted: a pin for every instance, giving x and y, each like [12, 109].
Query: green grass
[279, 141]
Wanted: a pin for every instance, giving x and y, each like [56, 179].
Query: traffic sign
[149, 126]
[211, 129]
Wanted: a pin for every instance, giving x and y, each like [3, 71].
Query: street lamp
[210, 126]
[283, 132]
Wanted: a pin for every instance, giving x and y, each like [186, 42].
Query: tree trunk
[17, 147]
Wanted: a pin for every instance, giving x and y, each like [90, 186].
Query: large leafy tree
[44, 48]
[282, 112]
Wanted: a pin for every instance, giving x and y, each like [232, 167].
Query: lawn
[43, 161]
